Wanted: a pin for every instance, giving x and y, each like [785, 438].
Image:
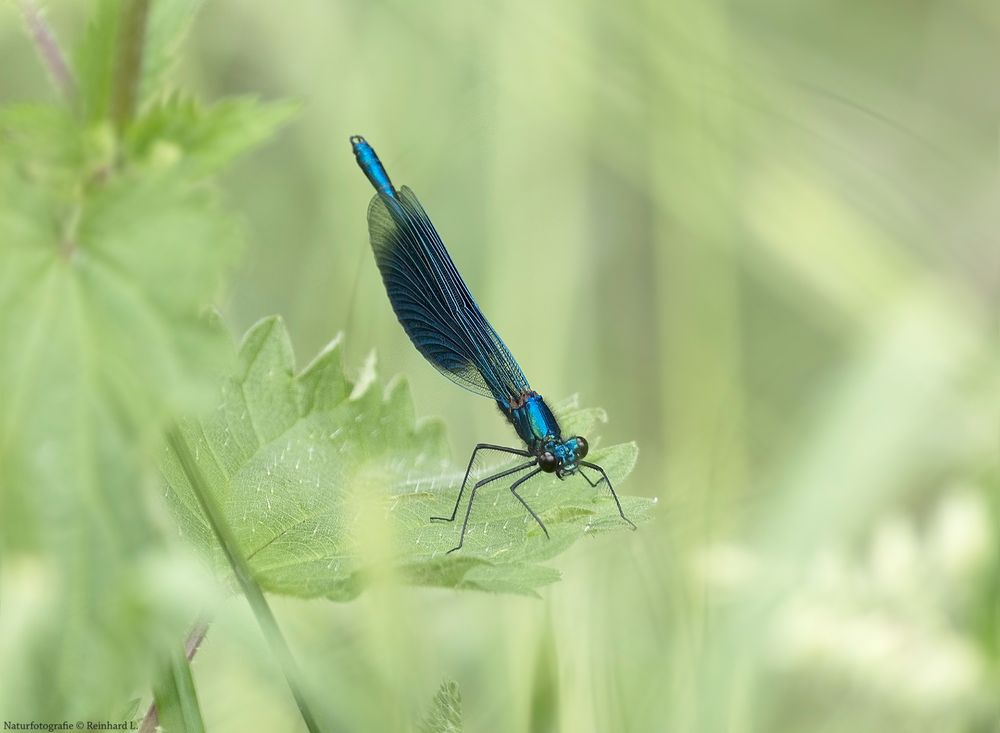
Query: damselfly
[441, 318]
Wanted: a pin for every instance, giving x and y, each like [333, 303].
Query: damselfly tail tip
[357, 140]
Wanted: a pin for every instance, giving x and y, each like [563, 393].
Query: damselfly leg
[472, 460]
[483, 482]
[604, 477]
[513, 490]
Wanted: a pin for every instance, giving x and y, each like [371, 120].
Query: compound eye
[581, 446]
[548, 462]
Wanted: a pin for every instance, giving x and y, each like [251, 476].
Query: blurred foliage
[762, 234]
[109, 260]
[445, 715]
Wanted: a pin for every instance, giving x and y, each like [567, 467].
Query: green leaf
[101, 299]
[204, 138]
[166, 28]
[324, 488]
[445, 715]
[101, 293]
[40, 138]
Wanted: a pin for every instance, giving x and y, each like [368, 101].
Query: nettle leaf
[203, 138]
[445, 715]
[103, 284]
[322, 486]
[44, 144]
[166, 28]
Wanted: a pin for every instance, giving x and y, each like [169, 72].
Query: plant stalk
[128, 69]
[191, 646]
[48, 49]
[254, 595]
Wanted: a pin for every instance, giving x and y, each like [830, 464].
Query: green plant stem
[254, 595]
[191, 646]
[176, 698]
[48, 49]
[128, 69]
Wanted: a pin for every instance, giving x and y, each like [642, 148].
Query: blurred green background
[761, 235]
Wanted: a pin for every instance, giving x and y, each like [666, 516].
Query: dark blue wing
[433, 303]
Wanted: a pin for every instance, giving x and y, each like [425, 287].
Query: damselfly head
[561, 457]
